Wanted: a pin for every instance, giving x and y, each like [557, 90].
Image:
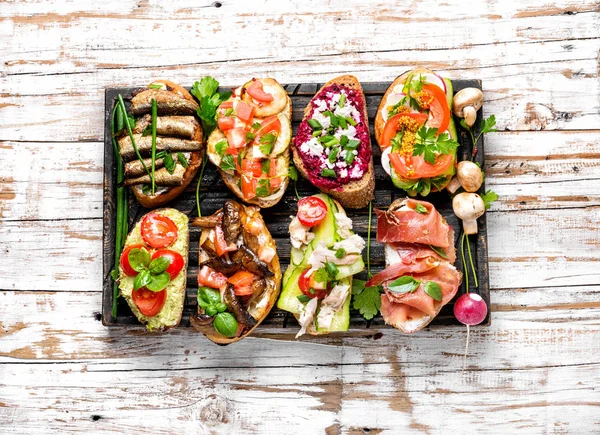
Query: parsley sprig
[430, 145]
[487, 126]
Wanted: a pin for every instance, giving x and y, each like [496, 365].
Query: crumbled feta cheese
[341, 164]
[343, 173]
[312, 147]
[356, 172]
[350, 132]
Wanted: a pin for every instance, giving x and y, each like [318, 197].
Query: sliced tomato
[244, 291]
[211, 278]
[275, 181]
[176, 262]
[158, 231]
[311, 211]
[391, 126]
[244, 111]
[124, 261]
[439, 112]
[148, 302]
[236, 137]
[221, 245]
[255, 90]
[252, 166]
[417, 167]
[249, 185]
[233, 151]
[242, 278]
[305, 284]
[270, 124]
[226, 122]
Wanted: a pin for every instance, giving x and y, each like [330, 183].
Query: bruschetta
[250, 147]
[419, 278]
[152, 268]
[332, 148]
[239, 274]
[324, 257]
[179, 143]
[416, 132]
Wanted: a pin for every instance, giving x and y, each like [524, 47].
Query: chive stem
[204, 161]
[471, 262]
[369, 241]
[137, 152]
[154, 115]
[465, 267]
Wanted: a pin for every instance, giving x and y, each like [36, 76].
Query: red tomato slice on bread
[158, 231]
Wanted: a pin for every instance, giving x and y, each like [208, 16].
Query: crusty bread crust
[194, 164]
[358, 193]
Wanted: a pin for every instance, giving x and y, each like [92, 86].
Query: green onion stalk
[130, 132]
[204, 161]
[121, 221]
[154, 115]
[464, 239]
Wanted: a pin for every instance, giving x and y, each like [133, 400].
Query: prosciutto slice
[404, 224]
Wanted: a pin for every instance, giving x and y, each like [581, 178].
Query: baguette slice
[261, 237]
[170, 314]
[283, 109]
[357, 193]
[163, 197]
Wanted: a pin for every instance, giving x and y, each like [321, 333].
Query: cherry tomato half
[175, 260]
[311, 211]
[158, 231]
[305, 284]
[255, 90]
[149, 303]
[124, 261]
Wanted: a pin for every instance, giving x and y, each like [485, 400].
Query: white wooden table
[535, 370]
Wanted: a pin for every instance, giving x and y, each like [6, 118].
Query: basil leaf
[208, 295]
[159, 265]
[303, 298]
[404, 284]
[225, 324]
[182, 160]
[158, 282]
[227, 163]
[433, 289]
[139, 259]
[142, 279]
[169, 163]
[221, 147]
[438, 251]
[221, 307]
[421, 209]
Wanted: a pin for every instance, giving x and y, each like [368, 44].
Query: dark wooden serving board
[214, 192]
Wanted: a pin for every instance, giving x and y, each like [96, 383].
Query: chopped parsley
[227, 163]
[266, 143]
[221, 147]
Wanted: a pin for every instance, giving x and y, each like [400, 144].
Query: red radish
[470, 309]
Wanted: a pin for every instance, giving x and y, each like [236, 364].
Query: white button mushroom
[466, 104]
[469, 175]
[468, 207]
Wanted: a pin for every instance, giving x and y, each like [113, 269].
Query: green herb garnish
[153, 128]
[488, 197]
[433, 289]
[182, 160]
[155, 86]
[227, 163]
[169, 163]
[303, 298]
[367, 300]
[404, 284]
[340, 252]
[293, 174]
[329, 173]
[266, 143]
[221, 147]
[421, 209]
[430, 145]
[342, 100]
[315, 124]
[438, 251]
[333, 154]
[209, 99]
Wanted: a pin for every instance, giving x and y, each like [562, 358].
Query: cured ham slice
[403, 223]
[420, 245]
[445, 275]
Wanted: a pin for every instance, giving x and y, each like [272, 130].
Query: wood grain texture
[533, 371]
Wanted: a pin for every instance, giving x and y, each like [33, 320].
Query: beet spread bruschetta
[250, 147]
[179, 143]
[416, 132]
[239, 273]
[419, 251]
[153, 268]
[333, 147]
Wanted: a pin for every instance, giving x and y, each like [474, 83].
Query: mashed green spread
[171, 312]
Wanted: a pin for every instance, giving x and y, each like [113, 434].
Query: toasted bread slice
[266, 300]
[170, 315]
[164, 196]
[356, 193]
